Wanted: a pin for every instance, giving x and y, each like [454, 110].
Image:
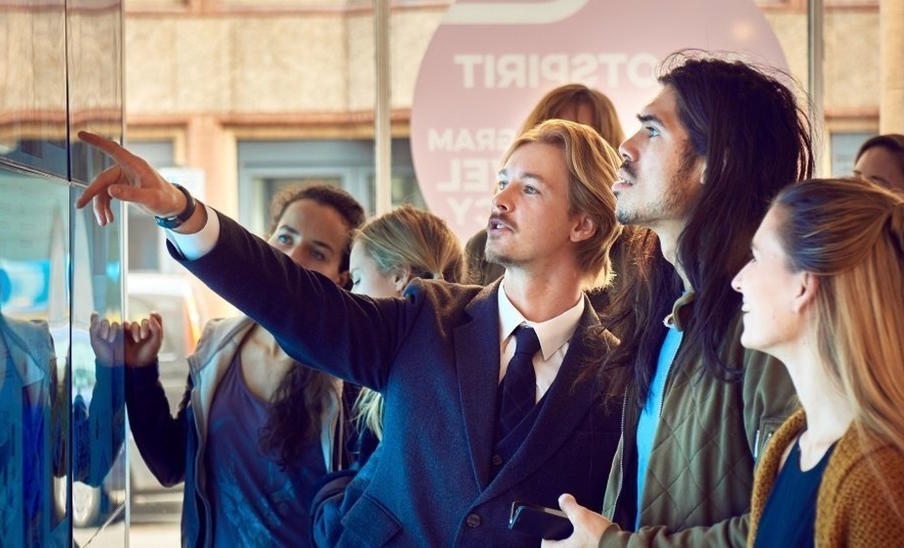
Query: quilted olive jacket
[700, 472]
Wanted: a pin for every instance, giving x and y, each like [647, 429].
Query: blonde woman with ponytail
[824, 293]
[387, 253]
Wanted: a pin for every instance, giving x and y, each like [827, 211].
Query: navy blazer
[434, 355]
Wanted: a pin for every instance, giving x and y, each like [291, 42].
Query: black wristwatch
[175, 221]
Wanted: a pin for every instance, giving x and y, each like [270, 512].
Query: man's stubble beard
[496, 258]
[674, 200]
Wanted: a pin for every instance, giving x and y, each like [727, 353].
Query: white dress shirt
[554, 335]
[194, 246]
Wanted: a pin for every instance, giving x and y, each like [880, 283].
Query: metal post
[815, 72]
[382, 109]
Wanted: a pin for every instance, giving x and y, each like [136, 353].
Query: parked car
[174, 298]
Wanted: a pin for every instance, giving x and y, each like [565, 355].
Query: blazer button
[497, 460]
[473, 521]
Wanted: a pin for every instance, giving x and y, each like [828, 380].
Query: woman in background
[823, 293]
[256, 431]
[387, 254]
[881, 161]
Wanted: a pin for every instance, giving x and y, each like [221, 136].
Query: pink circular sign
[490, 62]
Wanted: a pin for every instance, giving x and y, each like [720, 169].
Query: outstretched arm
[315, 322]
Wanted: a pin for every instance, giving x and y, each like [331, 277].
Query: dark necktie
[519, 385]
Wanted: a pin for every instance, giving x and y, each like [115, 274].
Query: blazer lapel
[565, 406]
[477, 363]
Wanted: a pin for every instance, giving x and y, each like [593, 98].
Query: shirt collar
[553, 333]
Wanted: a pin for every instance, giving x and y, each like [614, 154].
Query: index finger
[112, 148]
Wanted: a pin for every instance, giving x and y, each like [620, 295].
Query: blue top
[649, 415]
[254, 501]
[790, 512]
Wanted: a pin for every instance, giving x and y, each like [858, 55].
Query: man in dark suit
[493, 394]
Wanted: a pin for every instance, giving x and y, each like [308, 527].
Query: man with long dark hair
[716, 145]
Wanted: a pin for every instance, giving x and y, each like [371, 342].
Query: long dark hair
[746, 124]
[298, 405]
[638, 303]
[296, 408]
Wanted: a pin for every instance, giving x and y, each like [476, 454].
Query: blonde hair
[851, 235]
[604, 119]
[592, 166]
[413, 239]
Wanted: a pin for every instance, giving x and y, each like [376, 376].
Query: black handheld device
[539, 521]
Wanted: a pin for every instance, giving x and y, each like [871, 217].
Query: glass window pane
[98, 388]
[34, 337]
[33, 89]
[94, 28]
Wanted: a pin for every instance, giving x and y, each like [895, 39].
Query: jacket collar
[681, 311]
[209, 363]
[477, 362]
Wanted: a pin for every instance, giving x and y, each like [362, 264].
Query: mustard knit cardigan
[861, 497]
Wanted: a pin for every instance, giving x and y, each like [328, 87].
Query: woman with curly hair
[256, 431]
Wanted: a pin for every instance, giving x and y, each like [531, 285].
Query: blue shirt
[649, 415]
[254, 501]
[790, 513]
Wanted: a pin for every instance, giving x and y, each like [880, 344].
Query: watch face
[167, 222]
[175, 221]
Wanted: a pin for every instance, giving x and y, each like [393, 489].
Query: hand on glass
[588, 526]
[106, 340]
[130, 179]
[143, 340]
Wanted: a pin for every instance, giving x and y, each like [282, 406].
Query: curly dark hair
[297, 406]
[294, 421]
[326, 195]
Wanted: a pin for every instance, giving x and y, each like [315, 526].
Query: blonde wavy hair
[416, 240]
[592, 166]
[851, 235]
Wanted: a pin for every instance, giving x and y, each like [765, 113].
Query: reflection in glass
[98, 398]
[34, 326]
[94, 28]
[33, 85]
